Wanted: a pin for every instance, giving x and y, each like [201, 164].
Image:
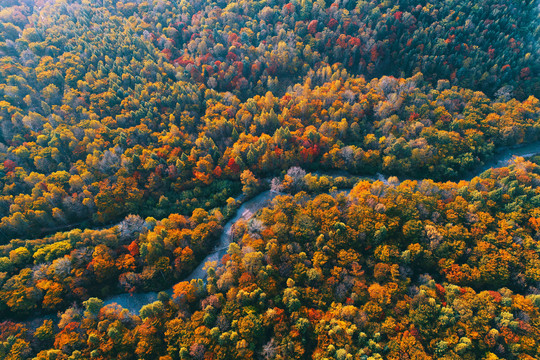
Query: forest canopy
[132, 132]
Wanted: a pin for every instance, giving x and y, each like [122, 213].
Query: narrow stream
[502, 158]
[134, 302]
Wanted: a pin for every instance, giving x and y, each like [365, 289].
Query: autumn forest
[280, 179]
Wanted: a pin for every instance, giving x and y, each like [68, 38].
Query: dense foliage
[416, 270]
[130, 132]
[93, 130]
[49, 274]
